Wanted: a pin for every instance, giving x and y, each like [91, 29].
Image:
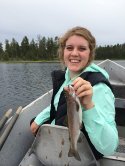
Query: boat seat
[30, 160]
[51, 147]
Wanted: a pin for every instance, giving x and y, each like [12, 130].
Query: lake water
[21, 83]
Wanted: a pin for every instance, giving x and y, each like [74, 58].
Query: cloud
[105, 18]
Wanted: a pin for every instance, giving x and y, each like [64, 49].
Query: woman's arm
[43, 116]
[99, 121]
[40, 119]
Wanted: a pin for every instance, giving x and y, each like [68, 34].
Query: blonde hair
[79, 31]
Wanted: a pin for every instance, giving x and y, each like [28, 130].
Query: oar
[9, 127]
[5, 118]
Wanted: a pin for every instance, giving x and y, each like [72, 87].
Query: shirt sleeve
[100, 120]
[43, 116]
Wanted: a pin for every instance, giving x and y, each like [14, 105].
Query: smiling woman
[91, 85]
[76, 53]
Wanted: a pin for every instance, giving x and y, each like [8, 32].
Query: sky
[104, 18]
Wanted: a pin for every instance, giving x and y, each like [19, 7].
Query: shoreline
[21, 61]
[48, 61]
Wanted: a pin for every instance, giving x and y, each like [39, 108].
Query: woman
[76, 50]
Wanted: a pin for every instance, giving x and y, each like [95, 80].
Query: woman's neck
[73, 74]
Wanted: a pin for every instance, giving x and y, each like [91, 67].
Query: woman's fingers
[34, 127]
[84, 93]
[82, 87]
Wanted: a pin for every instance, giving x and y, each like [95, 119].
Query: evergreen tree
[33, 51]
[7, 52]
[1, 51]
[50, 46]
[55, 47]
[14, 50]
[24, 48]
[42, 49]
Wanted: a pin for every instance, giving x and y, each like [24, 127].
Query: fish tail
[73, 152]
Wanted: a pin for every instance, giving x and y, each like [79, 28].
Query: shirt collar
[67, 76]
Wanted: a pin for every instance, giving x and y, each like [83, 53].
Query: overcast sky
[50, 18]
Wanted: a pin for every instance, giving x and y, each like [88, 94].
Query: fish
[74, 120]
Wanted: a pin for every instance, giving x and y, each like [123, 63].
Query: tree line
[46, 49]
[111, 52]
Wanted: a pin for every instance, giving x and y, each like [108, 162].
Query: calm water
[21, 83]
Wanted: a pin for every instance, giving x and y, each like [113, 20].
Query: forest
[45, 48]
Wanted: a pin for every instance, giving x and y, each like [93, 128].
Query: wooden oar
[5, 118]
[9, 127]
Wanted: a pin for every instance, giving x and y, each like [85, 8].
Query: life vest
[58, 77]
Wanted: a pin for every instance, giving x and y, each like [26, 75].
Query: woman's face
[76, 53]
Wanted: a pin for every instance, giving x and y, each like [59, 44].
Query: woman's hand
[84, 91]
[34, 127]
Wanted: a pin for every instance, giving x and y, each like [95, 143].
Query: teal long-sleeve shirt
[99, 121]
